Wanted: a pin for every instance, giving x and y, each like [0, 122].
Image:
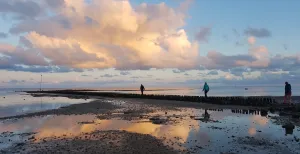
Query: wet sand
[170, 116]
[101, 142]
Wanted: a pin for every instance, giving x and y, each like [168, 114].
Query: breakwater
[244, 101]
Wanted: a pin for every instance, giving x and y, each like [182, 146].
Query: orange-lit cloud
[111, 33]
[251, 40]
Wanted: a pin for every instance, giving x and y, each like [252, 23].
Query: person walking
[288, 92]
[142, 88]
[205, 89]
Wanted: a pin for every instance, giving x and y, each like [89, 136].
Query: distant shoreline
[108, 90]
[231, 100]
[168, 101]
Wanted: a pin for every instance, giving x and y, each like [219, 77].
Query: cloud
[3, 35]
[85, 75]
[136, 77]
[217, 60]
[258, 32]
[203, 34]
[258, 57]
[13, 81]
[251, 40]
[178, 71]
[55, 3]
[214, 72]
[238, 71]
[69, 35]
[108, 76]
[23, 9]
[184, 6]
[125, 73]
[21, 56]
[94, 35]
[38, 69]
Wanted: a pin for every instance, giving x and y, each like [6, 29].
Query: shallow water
[217, 91]
[222, 134]
[12, 103]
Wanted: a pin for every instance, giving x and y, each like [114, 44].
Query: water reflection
[185, 132]
[289, 128]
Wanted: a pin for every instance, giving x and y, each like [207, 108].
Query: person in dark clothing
[288, 92]
[142, 88]
[205, 89]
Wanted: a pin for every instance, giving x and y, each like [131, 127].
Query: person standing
[288, 92]
[142, 88]
[205, 89]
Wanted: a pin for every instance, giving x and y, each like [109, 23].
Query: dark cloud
[258, 32]
[85, 75]
[186, 74]
[125, 73]
[13, 81]
[201, 68]
[90, 21]
[55, 3]
[65, 23]
[238, 71]
[178, 71]
[3, 35]
[24, 9]
[137, 77]
[6, 64]
[24, 57]
[62, 69]
[203, 34]
[50, 28]
[285, 63]
[214, 72]
[217, 60]
[108, 76]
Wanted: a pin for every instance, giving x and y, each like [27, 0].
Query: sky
[123, 43]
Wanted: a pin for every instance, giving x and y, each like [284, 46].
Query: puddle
[19, 103]
[231, 131]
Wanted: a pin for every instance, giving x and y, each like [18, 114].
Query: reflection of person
[142, 88]
[205, 89]
[288, 92]
[206, 116]
[289, 128]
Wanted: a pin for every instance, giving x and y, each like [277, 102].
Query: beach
[95, 124]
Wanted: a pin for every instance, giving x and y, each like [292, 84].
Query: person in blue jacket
[205, 89]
